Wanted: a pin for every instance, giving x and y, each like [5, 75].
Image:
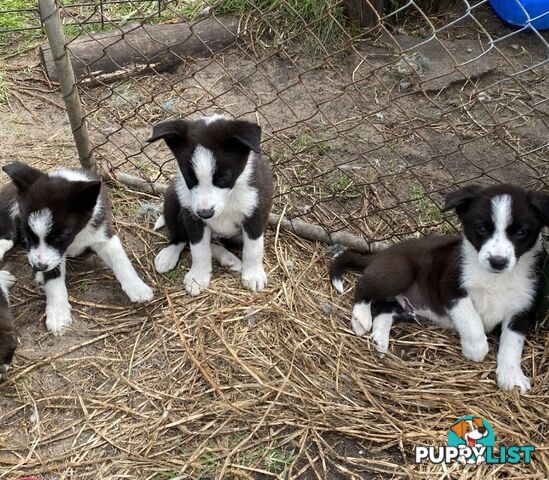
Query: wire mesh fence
[366, 123]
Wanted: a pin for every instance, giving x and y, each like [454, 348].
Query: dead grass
[239, 385]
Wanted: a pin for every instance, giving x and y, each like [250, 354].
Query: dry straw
[239, 385]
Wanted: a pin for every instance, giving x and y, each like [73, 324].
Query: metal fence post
[49, 14]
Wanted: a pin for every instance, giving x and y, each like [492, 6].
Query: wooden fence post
[51, 19]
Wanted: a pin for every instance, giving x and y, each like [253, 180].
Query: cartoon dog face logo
[470, 431]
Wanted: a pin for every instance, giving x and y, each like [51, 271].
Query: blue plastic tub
[510, 11]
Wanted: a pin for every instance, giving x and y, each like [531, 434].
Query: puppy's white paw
[381, 340]
[509, 378]
[139, 292]
[160, 222]
[58, 316]
[357, 327]
[230, 261]
[475, 350]
[168, 257]
[362, 318]
[338, 285]
[7, 280]
[254, 279]
[5, 245]
[382, 330]
[195, 281]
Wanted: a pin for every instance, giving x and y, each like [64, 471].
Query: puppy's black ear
[246, 136]
[461, 199]
[540, 204]
[22, 175]
[174, 130]
[84, 195]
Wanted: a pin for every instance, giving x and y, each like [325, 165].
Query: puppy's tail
[347, 260]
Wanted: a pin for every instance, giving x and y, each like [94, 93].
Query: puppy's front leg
[113, 254]
[58, 308]
[509, 371]
[198, 277]
[468, 323]
[253, 274]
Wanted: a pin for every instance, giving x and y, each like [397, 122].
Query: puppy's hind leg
[384, 313]
[172, 218]
[225, 258]
[384, 279]
[113, 254]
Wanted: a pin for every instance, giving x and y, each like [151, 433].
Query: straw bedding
[239, 385]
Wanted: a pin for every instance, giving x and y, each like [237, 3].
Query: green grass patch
[428, 213]
[295, 18]
[273, 460]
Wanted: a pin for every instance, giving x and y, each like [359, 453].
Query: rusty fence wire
[368, 118]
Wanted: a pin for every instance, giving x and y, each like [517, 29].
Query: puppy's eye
[481, 229]
[521, 233]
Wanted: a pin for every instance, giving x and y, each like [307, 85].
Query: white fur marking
[72, 175]
[499, 296]
[338, 285]
[198, 277]
[382, 330]
[41, 222]
[58, 308]
[231, 207]
[5, 246]
[253, 274]
[474, 344]
[499, 244]
[213, 118]
[7, 280]
[168, 257]
[361, 320]
[225, 258]
[113, 254]
[160, 222]
[509, 372]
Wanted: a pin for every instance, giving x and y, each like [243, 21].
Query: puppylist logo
[471, 440]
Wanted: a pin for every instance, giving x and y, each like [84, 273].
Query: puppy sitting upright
[223, 190]
[488, 277]
[60, 214]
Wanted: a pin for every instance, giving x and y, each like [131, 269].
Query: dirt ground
[238, 385]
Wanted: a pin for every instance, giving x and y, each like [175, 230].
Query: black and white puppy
[57, 215]
[488, 277]
[8, 340]
[223, 190]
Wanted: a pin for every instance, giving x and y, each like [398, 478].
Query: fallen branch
[316, 233]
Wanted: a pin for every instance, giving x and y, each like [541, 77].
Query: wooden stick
[316, 233]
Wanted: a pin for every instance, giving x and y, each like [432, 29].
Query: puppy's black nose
[481, 430]
[498, 263]
[39, 267]
[205, 213]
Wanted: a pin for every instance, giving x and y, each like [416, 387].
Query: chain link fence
[371, 111]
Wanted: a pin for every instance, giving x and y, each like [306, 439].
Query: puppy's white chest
[228, 224]
[498, 297]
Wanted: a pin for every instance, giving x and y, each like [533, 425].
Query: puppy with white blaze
[489, 277]
[61, 214]
[222, 195]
